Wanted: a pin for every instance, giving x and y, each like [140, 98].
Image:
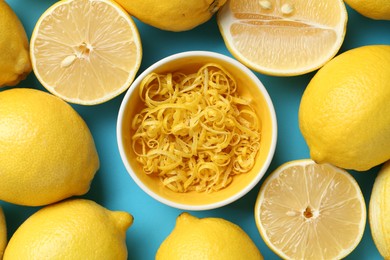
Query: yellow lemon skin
[3, 233]
[172, 15]
[207, 238]
[15, 62]
[374, 9]
[47, 152]
[71, 229]
[379, 211]
[344, 114]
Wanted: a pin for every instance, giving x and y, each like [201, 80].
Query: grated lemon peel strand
[195, 132]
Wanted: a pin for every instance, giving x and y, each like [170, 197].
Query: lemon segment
[72, 229]
[379, 211]
[47, 152]
[15, 62]
[3, 233]
[344, 114]
[85, 51]
[283, 38]
[207, 238]
[306, 210]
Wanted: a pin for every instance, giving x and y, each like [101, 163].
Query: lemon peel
[15, 62]
[172, 15]
[344, 114]
[71, 229]
[374, 9]
[207, 238]
[195, 132]
[47, 152]
[3, 233]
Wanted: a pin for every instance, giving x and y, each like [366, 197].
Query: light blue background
[113, 188]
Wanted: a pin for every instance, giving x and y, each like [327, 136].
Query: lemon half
[85, 51]
[306, 210]
[283, 38]
[379, 211]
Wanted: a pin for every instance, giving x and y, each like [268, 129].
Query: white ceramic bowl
[249, 86]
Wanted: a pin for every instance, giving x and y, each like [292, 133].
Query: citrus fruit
[15, 62]
[374, 9]
[344, 113]
[207, 238]
[47, 152]
[3, 233]
[306, 210]
[72, 229]
[86, 52]
[283, 38]
[379, 211]
[172, 15]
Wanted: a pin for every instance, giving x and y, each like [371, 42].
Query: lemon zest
[195, 132]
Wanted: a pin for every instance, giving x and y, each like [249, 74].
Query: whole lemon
[344, 114]
[47, 152]
[207, 238]
[3, 233]
[72, 229]
[172, 15]
[379, 211]
[15, 62]
[374, 9]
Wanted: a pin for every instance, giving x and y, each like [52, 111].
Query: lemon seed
[265, 4]
[68, 61]
[287, 9]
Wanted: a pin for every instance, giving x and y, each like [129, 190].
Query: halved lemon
[306, 210]
[283, 37]
[85, 51]
[379, 211]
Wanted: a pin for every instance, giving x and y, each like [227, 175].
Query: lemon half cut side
[379, 211]
[85, 51]
[283, 38]
[306, 210]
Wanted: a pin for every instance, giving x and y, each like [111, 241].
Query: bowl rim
[177, 56]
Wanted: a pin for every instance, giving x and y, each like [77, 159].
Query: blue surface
[113, 188]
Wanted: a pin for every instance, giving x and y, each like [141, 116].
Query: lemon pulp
[310, 211]
[283, 38]
[85, 51]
